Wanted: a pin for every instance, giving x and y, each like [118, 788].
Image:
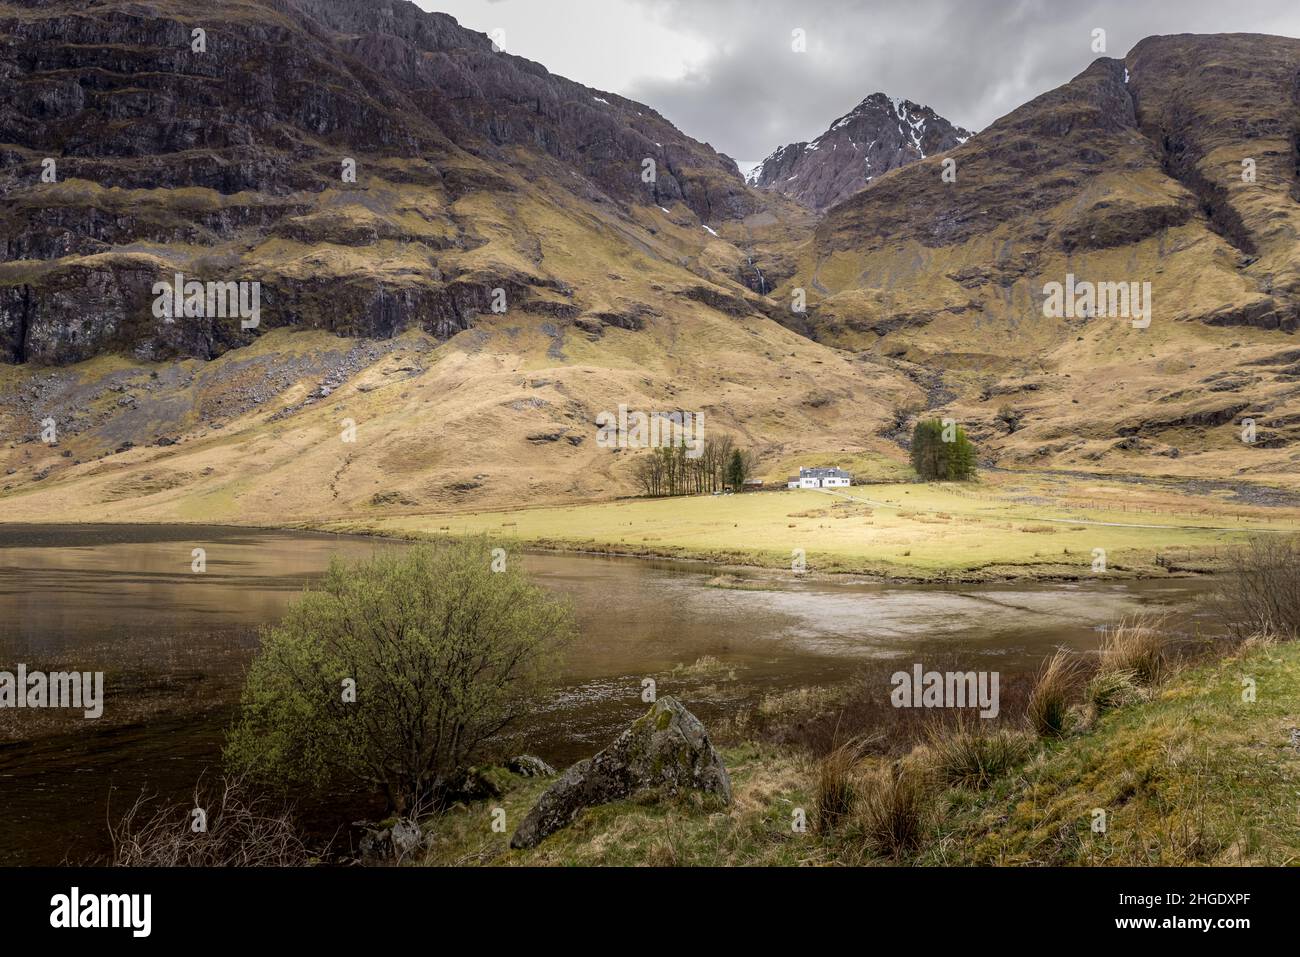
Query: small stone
[380, 844]
[530, 766]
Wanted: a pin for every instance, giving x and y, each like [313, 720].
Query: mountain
[496, 274]
[1176, 166]
[442, 331]
[880, 134]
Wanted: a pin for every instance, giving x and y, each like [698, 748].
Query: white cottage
[820, 478]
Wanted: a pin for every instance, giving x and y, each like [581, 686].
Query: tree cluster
[941, 452]
[670, 471]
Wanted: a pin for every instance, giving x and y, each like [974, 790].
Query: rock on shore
[666, 750]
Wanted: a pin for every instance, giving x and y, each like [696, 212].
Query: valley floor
[1007, 526]
[473, 436]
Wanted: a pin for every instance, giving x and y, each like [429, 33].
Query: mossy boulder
[478, 783]
[664, 751]
[530, 766]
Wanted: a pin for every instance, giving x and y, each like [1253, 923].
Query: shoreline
[686, 555]
[1044, 573]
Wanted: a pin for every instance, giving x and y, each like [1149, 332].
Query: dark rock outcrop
[228, 164]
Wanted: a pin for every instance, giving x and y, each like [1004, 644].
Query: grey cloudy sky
[723, 70]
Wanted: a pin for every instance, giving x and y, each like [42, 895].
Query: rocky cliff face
[490, 100]
[141, 141]
[880, 134]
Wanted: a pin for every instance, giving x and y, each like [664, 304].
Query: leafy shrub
[396, 671]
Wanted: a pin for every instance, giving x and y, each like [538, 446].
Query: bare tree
[670, 470]
[1261, 594]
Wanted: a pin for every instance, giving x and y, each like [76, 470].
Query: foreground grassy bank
[1016, 528]
[1195, 775]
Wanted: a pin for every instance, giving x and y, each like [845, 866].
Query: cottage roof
[823, 473]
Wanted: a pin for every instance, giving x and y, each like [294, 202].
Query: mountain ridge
[273, 155]
[837, 164]
[497, 275]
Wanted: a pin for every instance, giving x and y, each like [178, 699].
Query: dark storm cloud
[971, 60]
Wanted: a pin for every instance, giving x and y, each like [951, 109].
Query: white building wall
[812, 481]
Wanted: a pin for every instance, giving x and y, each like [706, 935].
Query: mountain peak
[881, 133]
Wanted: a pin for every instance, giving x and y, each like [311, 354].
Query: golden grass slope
[500, 414]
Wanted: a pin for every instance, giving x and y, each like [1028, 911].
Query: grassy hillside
[923, 296]
[621, 308]
[1194, 776]
[501, 414]
[379, 296]
[1197, 776]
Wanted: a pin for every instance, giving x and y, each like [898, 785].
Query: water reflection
[175, 643]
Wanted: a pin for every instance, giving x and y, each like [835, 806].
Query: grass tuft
[894, 810]
[973, 756]
[1137, 646]
[1049, 702]
[1108, 690]
[836, 787]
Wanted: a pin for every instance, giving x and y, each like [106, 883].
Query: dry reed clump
[238, 829]
[1139, 647]
[836, 789]
[1049, 702]
[971, 755]
[894, 809]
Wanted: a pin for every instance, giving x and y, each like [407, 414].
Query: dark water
[123, 599]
